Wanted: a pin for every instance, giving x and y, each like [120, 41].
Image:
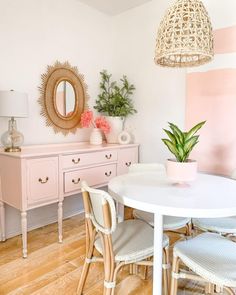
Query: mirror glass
[65, 99]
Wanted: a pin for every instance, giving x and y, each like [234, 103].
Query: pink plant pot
[181, 172]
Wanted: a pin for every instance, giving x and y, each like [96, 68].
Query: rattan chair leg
[89, 254]
[229, 291]
[189, 229]
[210, 288]
[131, 269]
[174, 280]
[83, 278]
[218, 289]
[109, 264]
[166, 271]
[118, 266]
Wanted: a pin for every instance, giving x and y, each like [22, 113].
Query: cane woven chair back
[99, 208]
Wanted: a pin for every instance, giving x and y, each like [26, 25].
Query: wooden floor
[53, 268]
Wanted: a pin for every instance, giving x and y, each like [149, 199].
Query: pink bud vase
[96, 136]
[181, 172]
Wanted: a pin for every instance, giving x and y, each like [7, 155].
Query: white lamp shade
[13, 104]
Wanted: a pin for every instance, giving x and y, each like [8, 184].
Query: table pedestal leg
[157, 266]
[120, 209]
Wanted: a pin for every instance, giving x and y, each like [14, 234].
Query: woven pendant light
[185, 36]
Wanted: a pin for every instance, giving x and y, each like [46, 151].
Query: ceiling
[113, 7]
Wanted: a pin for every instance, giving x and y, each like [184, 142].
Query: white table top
[207, 196]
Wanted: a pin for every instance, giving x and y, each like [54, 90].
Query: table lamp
[13, 105]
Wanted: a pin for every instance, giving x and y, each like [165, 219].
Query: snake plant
[180, 143]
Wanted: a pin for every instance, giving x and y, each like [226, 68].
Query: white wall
[222, 13]
[34, 34]
[160, 92]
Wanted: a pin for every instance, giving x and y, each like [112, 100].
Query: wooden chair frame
[177, 274]
[111, 267]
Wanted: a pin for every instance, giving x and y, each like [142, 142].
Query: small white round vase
[96, 136]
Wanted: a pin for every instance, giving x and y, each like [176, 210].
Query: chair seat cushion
[169, 222]
[132, 241]
[225, 225]
[211, 256]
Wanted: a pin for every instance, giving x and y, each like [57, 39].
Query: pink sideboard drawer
[93, 176]
[126, 157]
[42, 180]
[77, 160]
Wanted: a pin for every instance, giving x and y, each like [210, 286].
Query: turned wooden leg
[24, 233]
[174, 280]
[60, 218]
[2, 222]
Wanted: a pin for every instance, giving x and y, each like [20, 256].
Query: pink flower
[87, 119]
[102, 124]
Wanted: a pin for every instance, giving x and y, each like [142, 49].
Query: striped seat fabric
[210, 256]
[225, 225]
[169, 222]
[137, 248]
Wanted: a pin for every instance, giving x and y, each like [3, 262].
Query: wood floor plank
[54, 269]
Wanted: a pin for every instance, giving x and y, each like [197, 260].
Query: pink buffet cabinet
[45, 174]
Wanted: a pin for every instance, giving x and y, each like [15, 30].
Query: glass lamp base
[12, 139]
[12, 149]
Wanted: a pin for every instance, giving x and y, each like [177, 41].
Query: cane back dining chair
[128, 242]
[225, 226]
[211, 259]
[170, 223]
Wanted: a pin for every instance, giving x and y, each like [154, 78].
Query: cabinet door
[42, 180]
[126, 157]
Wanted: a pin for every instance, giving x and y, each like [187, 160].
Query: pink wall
[225, 40]
[211, 96]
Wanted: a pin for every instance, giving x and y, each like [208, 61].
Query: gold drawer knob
[108, 156]
[76, 181]
[128, 164]
[76, 161]
[108, 173]
[43, 181]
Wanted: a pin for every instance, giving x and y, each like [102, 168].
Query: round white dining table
[208, 196]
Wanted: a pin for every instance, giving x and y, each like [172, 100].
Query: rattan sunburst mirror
[63, 97]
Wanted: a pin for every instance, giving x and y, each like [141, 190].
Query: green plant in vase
[180, 144]
[114, 101]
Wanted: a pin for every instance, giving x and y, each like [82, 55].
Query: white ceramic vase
[96, 136]
[116, 124]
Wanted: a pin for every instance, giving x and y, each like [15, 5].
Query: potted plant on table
[115, 103]
[180, 144]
